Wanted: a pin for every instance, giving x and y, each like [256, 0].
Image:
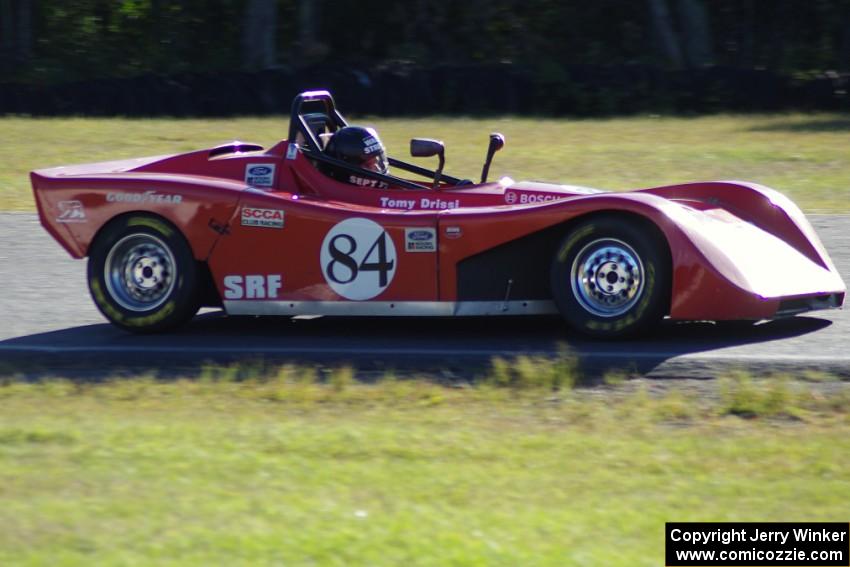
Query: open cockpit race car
[269, 232]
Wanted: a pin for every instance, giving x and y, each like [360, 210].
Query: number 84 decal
[358, 259]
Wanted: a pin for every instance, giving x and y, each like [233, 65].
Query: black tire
[142, 275]
[611, 277]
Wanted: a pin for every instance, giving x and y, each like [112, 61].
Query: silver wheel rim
[139, 272]
[607, 277]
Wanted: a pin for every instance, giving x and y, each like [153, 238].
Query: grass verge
[800, 155]
[251, 466]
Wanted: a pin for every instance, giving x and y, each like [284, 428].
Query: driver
[361, 147]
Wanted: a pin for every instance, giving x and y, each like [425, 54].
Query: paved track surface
[50, 325]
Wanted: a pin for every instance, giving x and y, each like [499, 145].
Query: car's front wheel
[142, 275]
[610, 277]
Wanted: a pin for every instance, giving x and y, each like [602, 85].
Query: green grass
[241, 467]
[804, 156]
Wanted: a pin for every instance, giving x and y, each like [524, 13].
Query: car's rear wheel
[610, 277]
[142, 275]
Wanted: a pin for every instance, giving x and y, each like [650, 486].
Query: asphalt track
[50, 325]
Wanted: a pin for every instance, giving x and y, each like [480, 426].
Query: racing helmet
[358, 146]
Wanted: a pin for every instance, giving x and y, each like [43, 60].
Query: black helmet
[358, 146]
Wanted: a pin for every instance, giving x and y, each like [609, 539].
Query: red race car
[318, 225]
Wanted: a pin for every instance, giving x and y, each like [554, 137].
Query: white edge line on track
[416, 352]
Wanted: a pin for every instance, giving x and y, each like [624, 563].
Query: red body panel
[738, 250]
[201, 200]
[294, 250]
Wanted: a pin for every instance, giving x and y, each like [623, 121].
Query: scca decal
[252, 287]
[269, 218]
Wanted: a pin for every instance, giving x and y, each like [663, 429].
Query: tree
[308, 47]
[662, 25]
[7, 38]
[844, 53]
[15, 33]
[697, 33]
[259, 42]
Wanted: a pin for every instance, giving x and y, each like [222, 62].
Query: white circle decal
[358, 259]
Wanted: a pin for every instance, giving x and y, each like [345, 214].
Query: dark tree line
[220, 57]
[58, 40]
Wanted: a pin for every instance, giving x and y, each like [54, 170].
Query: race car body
[268, 232]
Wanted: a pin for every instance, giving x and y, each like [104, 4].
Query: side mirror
[424, 147]
[497, 142]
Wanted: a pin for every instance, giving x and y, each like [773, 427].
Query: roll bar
[313, 148]
[298, 124]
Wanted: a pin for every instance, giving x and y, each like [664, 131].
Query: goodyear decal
[107, 307]
[153, 318]
[574, 237]
[145, 197]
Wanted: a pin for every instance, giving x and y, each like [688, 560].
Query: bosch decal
[510, 197]
[71, 211]
[260, 174]
[268, 218]
[253, 286]
[146, 197]
[525, 198]
[420, 240]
